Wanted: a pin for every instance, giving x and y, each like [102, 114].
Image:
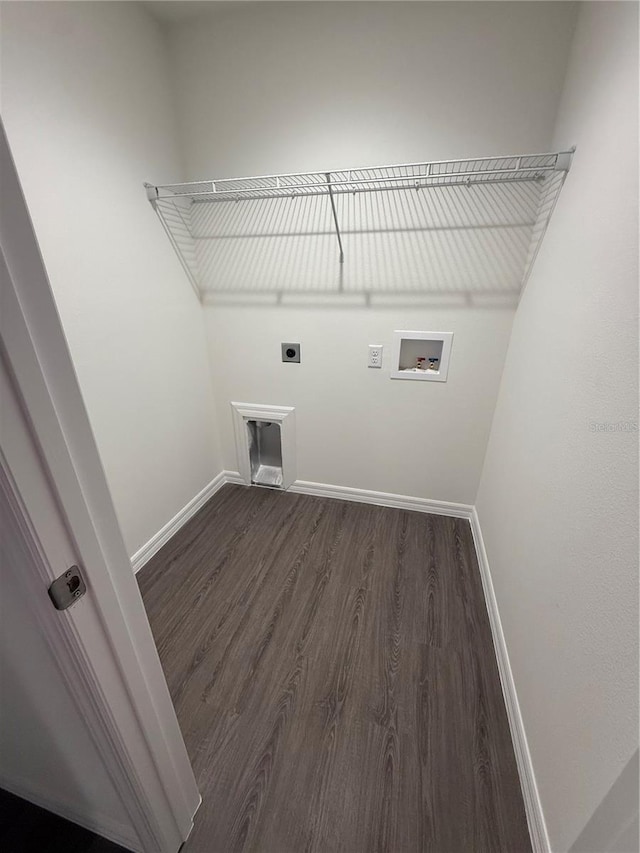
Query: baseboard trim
[368, 496]
[99, 824]
[144, 554]
[530, 794]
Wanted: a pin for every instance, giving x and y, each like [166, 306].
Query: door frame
[123, 693]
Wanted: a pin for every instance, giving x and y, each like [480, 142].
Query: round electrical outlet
[291, 353]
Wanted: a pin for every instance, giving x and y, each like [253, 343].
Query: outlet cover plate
[375, 355]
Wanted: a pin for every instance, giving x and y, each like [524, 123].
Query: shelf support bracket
[563, 160]
[152, 194]
[335, 215]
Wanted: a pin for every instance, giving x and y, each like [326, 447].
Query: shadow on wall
[613, 827]
[452, 245]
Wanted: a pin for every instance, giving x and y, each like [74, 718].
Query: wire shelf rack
[198, 227]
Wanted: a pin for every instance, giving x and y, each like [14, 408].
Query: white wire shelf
[198, 227]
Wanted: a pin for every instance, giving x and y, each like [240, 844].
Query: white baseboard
[156, 542]
[532, 803]
[368, 496]
[100, 824]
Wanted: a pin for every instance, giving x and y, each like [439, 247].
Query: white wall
[286, 87]
[354, 426]
[558, 497]
[614, 827]
[87, 109]
[283, 87]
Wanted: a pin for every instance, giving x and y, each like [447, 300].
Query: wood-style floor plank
[333, 672]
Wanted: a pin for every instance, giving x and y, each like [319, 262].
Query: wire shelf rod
[423, 181]
[292, 193]
[427, 165]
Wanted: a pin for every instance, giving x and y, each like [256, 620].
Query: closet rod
[348, 185]
[561, 158]
[291, 193]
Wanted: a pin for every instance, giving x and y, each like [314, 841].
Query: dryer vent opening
[265, 438]
[265, 453]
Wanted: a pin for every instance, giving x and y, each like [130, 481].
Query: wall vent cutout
[265, 444]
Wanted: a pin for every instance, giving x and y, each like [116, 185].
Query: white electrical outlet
[375, 355]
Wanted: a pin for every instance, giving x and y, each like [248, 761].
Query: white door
[50, 753]
[92, 670]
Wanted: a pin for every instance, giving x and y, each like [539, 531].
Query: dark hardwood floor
[333, 672]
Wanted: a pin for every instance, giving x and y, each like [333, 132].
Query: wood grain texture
[333, 672]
